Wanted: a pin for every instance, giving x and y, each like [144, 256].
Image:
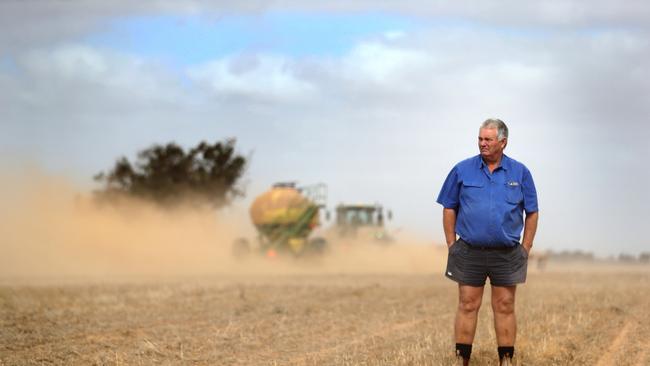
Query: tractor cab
[362, 221]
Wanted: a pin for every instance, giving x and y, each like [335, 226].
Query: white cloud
[394, 35]
[258, 77]
[82, 77]
[74, 62]
[378, 63]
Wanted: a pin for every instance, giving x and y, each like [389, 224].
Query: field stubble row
[586, 317]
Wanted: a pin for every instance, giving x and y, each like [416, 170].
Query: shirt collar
[505, 162]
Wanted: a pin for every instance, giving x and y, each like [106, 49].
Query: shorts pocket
[455, 248]
[523, 251]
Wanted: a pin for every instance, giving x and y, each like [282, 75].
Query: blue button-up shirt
[489, 206]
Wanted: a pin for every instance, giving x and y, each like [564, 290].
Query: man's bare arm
[530, 227]
[449, 225]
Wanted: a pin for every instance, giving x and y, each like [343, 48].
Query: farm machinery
[363, 222]
[285, 217]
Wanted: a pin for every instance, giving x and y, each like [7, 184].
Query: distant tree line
[579, 255]
[169, 175]
[644, 257]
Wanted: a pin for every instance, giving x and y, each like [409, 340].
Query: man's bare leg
[505, 322]
[469, 302]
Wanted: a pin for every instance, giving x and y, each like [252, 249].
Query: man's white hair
[502, 129]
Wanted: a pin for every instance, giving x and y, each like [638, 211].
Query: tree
[168, 175]
[644, 257]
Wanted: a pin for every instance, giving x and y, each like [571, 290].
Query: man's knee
[504, 305]
[468, 304]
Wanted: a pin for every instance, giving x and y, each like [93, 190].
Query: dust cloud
[50, 229]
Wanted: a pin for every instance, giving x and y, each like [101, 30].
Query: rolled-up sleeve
[449, 193]
[530, 193]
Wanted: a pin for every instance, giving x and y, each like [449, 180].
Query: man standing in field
[484, 198]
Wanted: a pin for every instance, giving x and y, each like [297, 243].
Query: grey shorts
[471, 266]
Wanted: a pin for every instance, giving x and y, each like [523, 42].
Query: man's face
[488, 144]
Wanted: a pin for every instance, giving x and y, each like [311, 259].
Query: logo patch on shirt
[513, 184]
[449, 273]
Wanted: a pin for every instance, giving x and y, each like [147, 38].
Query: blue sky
[194, 39]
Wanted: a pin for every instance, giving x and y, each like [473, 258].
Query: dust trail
[51, 229]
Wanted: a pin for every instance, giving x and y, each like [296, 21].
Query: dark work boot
[463, 352]
[505, 355]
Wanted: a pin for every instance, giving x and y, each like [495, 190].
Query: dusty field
[566, 317]
[82, 284]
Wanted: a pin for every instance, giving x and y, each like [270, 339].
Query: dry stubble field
[566, 317]
[358, 305]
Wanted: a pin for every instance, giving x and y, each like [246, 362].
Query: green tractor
[284, 217]
[364, 222]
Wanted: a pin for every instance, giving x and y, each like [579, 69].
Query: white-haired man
[484, 199]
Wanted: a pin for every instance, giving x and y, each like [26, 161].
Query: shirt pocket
[514, 194]
[472, 190]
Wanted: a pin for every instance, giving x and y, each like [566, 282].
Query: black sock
[506, 352]
[464, 350]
